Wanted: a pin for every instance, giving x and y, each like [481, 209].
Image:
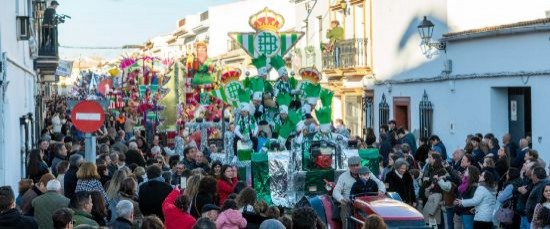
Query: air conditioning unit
[23, 28]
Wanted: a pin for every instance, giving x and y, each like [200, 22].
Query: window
[383, 111]
[426, 116]
[23, 28]
[368, 111]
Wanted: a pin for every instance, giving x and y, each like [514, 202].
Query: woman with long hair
[483, 200]
[127, 191]
[215, 169]
[207, 194]
[246, 200]
[503, 162]
[114, 184]
[541, 215]
[466, 190]
[192, 186]
[227, 183]
[100, 212]
[88, 179]
[36, 166]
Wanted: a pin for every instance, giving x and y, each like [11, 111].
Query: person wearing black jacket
[538, 177]
[399, 180]
[206, 195]
[10, 216]
[364, 185]
[70, 180]
[153, 192]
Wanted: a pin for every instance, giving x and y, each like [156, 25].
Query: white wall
[20, 93]
[480, 105]
[311, 38]
[395, 36]
[472, 14]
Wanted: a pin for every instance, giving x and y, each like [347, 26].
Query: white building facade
[18, 89]
[492, 76]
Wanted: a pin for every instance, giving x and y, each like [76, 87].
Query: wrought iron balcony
[345, 55]
[46, 36]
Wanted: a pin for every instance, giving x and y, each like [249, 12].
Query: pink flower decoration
[126, 62]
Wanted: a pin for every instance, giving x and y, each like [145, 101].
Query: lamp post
[426, 29]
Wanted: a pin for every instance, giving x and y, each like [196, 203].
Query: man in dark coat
[11, 217]
[125, 212]
[538, 177]
[69, 182]
[153, 192]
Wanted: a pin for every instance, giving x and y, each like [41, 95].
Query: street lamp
[426, 29]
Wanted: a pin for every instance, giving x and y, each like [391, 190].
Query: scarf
[464, 185]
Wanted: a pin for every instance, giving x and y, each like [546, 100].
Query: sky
[120, 22]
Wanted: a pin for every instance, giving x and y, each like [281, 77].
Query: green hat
[295, 116]
[261, 65]
[256, 84]
[244, 99]
[279, 64]
[312, 92]
[285, 130]
[324, 117]
[326, 97]
[283, 100]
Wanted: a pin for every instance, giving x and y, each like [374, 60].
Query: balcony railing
[46, 35]
[346, 54]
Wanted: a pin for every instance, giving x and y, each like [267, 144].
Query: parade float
[282, 141]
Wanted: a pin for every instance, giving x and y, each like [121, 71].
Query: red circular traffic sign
[87, 116]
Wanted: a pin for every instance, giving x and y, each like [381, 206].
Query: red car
[395, 213]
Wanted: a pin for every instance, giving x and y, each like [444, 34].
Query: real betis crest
[229, 91]
[266, 40]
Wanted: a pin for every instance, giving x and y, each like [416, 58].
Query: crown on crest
[311, 74]
[230, 74]
[266, 20]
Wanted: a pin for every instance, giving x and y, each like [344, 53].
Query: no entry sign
[87, 116]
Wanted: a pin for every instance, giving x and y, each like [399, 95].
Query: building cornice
[539, 25]
[466, 77]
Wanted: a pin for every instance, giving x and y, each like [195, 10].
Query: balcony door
[402, 111]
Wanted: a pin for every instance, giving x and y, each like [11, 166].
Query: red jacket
[225, 188]
[174, 217]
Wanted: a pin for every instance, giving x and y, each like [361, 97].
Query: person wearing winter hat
[246, 129]
[364, 184]
[346, 180]
[284, 84]
[272, 224]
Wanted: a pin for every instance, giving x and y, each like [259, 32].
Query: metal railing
[426, 116]
[348, 53]
[46, 35]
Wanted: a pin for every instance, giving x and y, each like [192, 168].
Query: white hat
[306, 108]
[283, 109]
[257, 95]
[53, 185]
[244, 107]
[312, 100]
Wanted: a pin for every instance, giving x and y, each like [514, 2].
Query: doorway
[402, 111]
[519, 112]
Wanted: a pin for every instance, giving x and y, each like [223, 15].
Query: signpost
[88, 116]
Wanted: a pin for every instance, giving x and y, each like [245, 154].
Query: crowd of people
[482, 185]
[134, 184]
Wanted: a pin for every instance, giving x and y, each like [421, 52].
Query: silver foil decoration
[279, 178]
